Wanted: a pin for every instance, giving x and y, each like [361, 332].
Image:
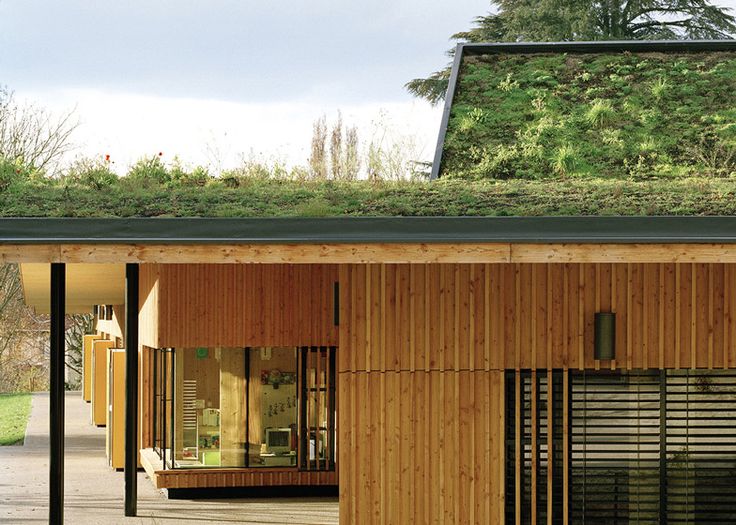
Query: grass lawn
[14, 412]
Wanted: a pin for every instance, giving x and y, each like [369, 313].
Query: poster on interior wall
[276, 377]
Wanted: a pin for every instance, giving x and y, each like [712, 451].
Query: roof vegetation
[151, 189]
[625, 116]
[529, 135]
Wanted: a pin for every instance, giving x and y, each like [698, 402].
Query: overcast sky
[224, 77]
[212, 79]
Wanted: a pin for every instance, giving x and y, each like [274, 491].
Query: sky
[218, 81]
[215, 81]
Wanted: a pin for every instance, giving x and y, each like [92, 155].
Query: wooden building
[446, 376]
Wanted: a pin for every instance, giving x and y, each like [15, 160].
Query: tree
[565, 20]
[31, 136]
[23, 337]
[77, 325]
[336, 139]
[318, 156]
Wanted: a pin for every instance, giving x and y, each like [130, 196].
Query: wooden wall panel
[149, 305]
[240, 305]
[115, 327]
[519, 316]
[232, 407]
[423, 447]
[87, 341]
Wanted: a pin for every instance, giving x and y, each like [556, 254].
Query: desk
[279, 460]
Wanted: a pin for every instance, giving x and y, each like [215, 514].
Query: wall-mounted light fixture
[605, 335]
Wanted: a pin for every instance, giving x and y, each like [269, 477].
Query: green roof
[615, 111]
[443, 197]
[553, 129]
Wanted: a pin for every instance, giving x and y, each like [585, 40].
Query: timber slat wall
[421, 447]
[230, 305]
[423, 348]
[238, 305]
[180, 479]
[517, 316]
[231, 477]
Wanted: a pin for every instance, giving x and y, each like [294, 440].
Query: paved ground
[94, 493]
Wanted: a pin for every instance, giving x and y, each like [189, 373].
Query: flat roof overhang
[110, 243]
[343, 230]
[369, 240]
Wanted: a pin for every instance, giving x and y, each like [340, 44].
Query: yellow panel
[115, 431]
[99, 381]
[87, 366]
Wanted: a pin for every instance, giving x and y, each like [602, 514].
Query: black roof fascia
[341, 230]
[603, 46]
[449, 96]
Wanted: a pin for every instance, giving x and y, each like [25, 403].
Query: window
[648, 447]
[272, 407]
[245, 407]
[317, 410]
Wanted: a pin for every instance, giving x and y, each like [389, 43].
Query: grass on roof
[96, 192]
[614, 116]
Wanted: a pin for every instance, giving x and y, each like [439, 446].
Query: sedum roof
[612, 110]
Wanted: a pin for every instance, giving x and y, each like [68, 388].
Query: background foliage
[567, 20]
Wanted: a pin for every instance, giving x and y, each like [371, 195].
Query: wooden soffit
[86, 285]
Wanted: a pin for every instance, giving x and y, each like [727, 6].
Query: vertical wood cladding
[524, 316]
[423, 349]
[421, 447]
[237, 305]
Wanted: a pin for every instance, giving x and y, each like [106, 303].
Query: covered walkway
[94, 493]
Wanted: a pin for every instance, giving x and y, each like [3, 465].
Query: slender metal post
[131, 389]
[56, 395]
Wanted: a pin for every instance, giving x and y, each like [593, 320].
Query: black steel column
[56, 395]
[131, 389]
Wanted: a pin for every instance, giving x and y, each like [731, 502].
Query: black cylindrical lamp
[605, 335]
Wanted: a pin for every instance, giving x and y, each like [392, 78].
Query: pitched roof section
[464, 51]
[345, 230]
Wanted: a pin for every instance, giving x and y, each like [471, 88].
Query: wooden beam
[630, 253]
[369, 253]
[289, 253]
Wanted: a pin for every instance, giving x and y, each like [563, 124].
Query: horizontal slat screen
[701, 447]
[644, 447]
[615, 447]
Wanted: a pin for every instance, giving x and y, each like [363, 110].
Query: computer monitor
[278, 440]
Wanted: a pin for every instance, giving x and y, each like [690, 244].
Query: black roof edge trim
[599, 46]
[344, 230]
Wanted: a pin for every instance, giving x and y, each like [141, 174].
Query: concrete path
[94, 492]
